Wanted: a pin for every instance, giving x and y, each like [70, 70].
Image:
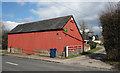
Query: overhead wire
[72, 9]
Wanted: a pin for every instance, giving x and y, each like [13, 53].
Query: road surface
[10, 63]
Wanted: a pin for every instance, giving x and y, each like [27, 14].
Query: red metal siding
[36, 40]
[75, 37]
[45, 40]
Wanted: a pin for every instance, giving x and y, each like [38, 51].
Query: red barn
[39, 37]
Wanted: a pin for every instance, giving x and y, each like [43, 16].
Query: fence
[73, 50]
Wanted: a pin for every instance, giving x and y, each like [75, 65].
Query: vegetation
[83, 27]
[96, 37]
[116, 64]
[110, 22]
[3, 36]
[73, 56]
[92, 44]
[0, 35]
[4, 51]
[29, 54]
[91, 51]
[4, 39]
[88, 52]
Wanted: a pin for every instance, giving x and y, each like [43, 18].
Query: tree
[4, 37]
[110, 22]
[0, 35]
[96, 37]
[83, 27]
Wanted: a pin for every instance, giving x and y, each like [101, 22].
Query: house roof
[44, 25]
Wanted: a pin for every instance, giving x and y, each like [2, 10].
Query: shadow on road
[103, 58]
[97, 56]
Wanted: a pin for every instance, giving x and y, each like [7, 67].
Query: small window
[60, 38]
[71, 21]
[57, 33]
[65, 34]
[71, 29]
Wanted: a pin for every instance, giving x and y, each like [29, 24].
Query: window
[60, 38]
[65, 35]
[71, 21]
[71, 29]
[57, 33]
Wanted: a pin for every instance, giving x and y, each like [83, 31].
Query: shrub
[110, 22]
[4, 40]
[92, 44]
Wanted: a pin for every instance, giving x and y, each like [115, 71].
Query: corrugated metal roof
[44, 25]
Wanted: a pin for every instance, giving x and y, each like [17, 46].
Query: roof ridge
[46, 20]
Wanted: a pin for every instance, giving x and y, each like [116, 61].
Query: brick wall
[74, 52]
[59, 54]
[42, 52]
[15, 50]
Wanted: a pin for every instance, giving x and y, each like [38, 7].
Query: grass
[88, 52]
[73, 56]
[4, 51]
[29, 54]
[94, 50]
[41, 55]
[116, 64]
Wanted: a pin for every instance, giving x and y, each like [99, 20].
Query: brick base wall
[59, 54]
[42, 52]
[74, 52]
[15, 50]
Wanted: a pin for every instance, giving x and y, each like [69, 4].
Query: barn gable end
[72, 30]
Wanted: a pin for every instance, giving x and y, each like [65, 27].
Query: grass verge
[4, 51]
[93, 50]
[88, 52]
[116, 64]
[73, 56]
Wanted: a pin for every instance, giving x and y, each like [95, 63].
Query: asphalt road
[10, 63]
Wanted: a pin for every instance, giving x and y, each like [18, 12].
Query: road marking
[11, 63]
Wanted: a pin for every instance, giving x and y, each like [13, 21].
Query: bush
[4, 40]
[110, 22]
[92, 44]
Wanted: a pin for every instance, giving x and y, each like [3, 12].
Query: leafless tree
[83, 27]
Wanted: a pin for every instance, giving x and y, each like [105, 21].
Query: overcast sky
[14, 13]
